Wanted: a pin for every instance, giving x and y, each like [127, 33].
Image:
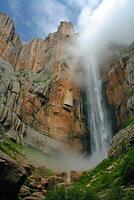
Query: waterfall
[100, 130]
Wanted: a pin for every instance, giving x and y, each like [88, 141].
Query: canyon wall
[120, 86]
[39, 102]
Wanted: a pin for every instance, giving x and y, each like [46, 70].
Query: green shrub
[71, 194]
[9, 146]
[114, 193]
[128, 168]
[128, 195]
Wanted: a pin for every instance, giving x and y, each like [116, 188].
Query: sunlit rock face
[120, 86]
[36, 86]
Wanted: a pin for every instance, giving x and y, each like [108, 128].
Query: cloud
[42, 17]
[83, 3]
[111, 22]
[15, 7]
[102, 26]
[48, 14]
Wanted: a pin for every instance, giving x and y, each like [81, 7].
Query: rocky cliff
[39, 102]
[120, 86]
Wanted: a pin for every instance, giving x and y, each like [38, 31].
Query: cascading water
[100, 130]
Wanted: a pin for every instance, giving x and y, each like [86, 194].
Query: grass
[9, 146]
[106, 182]
[71, 194]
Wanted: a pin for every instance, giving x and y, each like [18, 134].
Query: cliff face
[39, 101]
[120, 86]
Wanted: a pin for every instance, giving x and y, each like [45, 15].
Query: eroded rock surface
[122, 141]
[37, 92]
[120, 85]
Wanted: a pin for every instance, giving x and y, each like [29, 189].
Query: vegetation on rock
[112, 179]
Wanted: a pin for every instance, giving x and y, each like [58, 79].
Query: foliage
[114, 193]
[71, 194]
[127, 123]
[109, 176]
[128, 195]
[10, 147]
[127, 170]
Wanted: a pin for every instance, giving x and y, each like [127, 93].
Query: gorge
[43, 106]
[63, 104]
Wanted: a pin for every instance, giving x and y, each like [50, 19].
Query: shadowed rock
[12, 177]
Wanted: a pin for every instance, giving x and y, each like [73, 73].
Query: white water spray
[109, 23]
[100, 130]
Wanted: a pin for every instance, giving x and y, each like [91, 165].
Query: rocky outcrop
[10, 101]
[41, 181]
[12, 177]
[37, 92]
[122, 141]
[120, 85]
[10, 43]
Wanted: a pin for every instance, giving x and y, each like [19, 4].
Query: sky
[37, 18]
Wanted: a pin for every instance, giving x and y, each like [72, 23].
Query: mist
[64, 161]
[101, 27]
[111, 23]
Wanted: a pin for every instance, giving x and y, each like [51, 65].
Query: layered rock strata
[122, 141]
[120, 85]
[37, 93]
